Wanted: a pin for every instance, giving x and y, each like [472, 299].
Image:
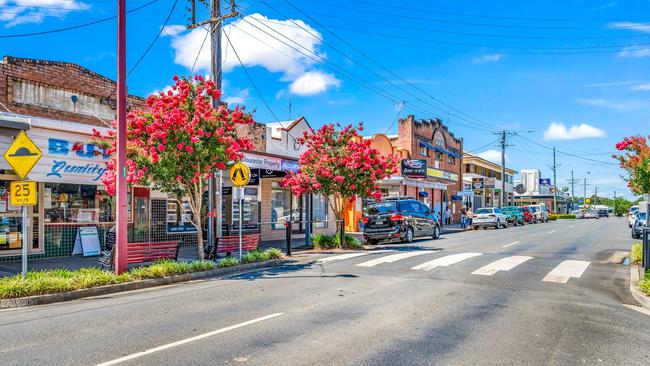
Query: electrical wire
[75, 26]
[566, 153]
[482, 147]
[250, 79]
[373, 60]
[207, 33]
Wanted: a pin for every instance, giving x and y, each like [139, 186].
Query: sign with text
[87, 241]
[22, 193]
[414, 168]
[477, 183]
[442, 174]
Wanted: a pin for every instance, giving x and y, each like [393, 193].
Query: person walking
[463, 217]
[469, 218]
[447, 216]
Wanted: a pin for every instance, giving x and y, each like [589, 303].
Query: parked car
[602, 212]
[528, 216]
[513, 215]
[401, 218]
[578, 213]
[540, 212]
[631, 215]
[590, 214]
[639, 224]
[489, 216]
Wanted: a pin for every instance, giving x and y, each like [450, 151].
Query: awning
[423, 194]
[14, 122]
[438, 149]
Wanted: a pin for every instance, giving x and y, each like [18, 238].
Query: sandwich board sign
[87, 241]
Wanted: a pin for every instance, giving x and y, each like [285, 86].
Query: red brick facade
[55, 75]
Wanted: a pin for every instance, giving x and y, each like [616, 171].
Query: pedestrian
[470, 218]
[447, 216]
[463, 217]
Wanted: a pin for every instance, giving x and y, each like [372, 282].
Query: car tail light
[365, 220]
[474, 216]
[397, 217]
[492, 215]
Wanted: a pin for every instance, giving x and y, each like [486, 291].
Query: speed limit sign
[22, 193]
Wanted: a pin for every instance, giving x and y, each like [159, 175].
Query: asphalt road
[542, 294]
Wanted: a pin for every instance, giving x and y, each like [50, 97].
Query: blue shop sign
[289, 165]
[61, 151]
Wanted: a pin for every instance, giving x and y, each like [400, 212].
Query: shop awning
[438, 149]
[423, 194]
[14, 122]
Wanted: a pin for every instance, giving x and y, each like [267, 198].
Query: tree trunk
[197, 222]
[199, 239]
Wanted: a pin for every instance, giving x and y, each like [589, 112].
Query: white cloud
[641, 87]
[606, 6]
[628, 105]
[491, 155]
[495, 57]
[15, 12]
[238, 98]
[313, 82]
[558, 131]
[640, 27]
[610, 83]
[635, 52]
[257, 48]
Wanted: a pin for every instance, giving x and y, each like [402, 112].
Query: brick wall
[56, 75]
[256, 132]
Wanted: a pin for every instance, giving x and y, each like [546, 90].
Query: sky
[575, 77]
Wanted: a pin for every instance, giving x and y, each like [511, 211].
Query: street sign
[22, 193]
[240, 175]
[22, 155]
[588, 200]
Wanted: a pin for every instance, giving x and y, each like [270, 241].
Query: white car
[489, 217]
[631, 215]
[540, 212]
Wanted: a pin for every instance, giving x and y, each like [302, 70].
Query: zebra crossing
[561, 273]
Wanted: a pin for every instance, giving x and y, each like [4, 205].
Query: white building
[530, 179]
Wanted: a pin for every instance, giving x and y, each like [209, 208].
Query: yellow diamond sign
[22, 155]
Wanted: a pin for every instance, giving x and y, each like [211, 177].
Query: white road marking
[186, 340]
[513, 243]
[565, 270]
[637, 308]
[341, 257]
[551, 232]
[571, 226]
[394, 258]
[503, 264]
[445, 261]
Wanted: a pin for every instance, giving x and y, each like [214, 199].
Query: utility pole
[595, 195]
[554, 182]
[573, 183]
[215, 22]
[503, 136]
[121, 225]
[614, 203]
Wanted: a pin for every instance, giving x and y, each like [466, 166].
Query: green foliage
[274, 253]
[255, 256]
[553, 217]
[636, 253]
[63, 280]
[561, 216]
[350, 242]
[228, 262]
[644, 284]
[323, 241]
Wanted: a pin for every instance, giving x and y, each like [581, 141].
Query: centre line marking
[551, 232]
[187, 340]
[513, 243]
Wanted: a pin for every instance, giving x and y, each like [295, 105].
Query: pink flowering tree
[340, 164]
[175, 143]
[635, 159]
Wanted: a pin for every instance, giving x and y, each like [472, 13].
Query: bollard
[288, 235]
[646, 249]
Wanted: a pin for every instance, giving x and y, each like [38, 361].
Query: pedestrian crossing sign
[240, 175]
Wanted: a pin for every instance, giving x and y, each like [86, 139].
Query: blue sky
[577, 75]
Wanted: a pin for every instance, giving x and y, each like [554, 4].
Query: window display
[76, 203]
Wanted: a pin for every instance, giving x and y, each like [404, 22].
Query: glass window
[383, 207]
[76, 203]
[320, 210]
[482, 211]
[280, 207]
[424, 151]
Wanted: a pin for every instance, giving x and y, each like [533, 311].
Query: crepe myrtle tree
[339, 164]
[176, 142]
[635, 159]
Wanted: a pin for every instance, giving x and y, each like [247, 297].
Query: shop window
[280, 207]
[76, 203]
[424, 151]
[438, 155]
[451, 160]
[320, 210]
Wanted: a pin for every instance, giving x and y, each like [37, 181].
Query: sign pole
[25, 237]
[121, 184]
[241, 219]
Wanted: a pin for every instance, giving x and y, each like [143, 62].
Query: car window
[383, 207]
[641, 215]
[496, 210]
[522, 209]
[423, 209]
[532, 209]
[483, 211]
[411, 207]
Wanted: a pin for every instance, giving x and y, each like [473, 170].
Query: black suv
[399, 218]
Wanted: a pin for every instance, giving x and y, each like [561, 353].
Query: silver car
[489, 217]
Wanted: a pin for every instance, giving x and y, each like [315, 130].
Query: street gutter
[137, 285]
[640, 297]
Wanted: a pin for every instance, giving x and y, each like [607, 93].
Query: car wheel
[475, 227]
[372, 241]
[408, 237]
[498, 225]
[436, 232]
[505, 226]
[515, 223]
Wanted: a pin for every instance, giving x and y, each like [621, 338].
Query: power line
[369, 58]
[250, 79]
[568, 154]
[200, 49]
[482, 147]
[75, 26]
[373, 60]
[154, 40]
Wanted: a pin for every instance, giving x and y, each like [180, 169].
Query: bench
[142, 252]
[230, 244]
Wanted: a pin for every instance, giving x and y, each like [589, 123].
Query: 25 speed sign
[22, 193]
